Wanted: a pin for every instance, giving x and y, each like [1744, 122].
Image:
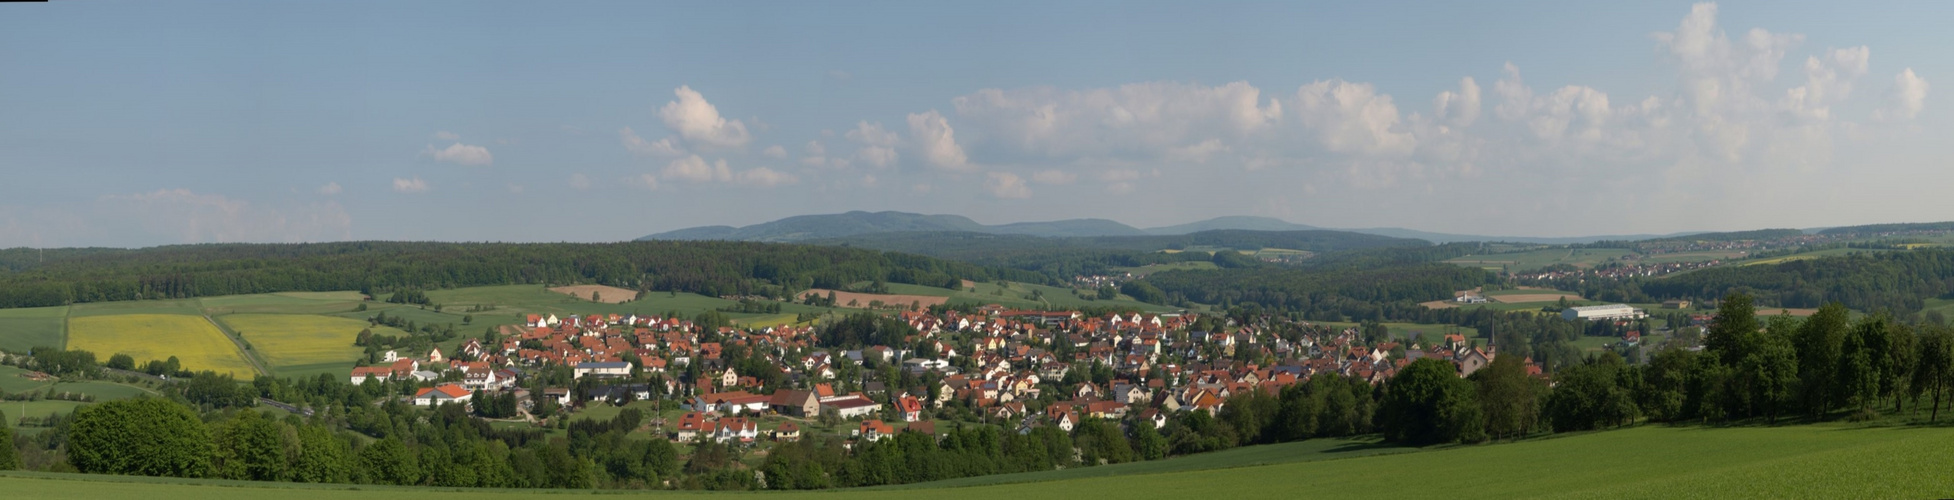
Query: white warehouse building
[1611, 311]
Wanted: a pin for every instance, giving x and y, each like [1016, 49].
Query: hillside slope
[1817, 461]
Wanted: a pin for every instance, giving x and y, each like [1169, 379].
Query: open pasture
[867, 300]
[27, 328]
[171, 306]
[286, 303]
[192, 339]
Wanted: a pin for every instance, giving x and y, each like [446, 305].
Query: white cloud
[639, 146]
[446, 136]
[1908, 97]
[937, 141]
[460, 154]
[766, 177]
[648, 182]
[699, 122]
[1458, 109]
[1352, 118]
[579, 181]
[878, 144]
[815, 154]
[1054, 177]
[410, 185]
[1006, 185]
[775, 151]
[696, 169]
[331, 188]
[1134, 120]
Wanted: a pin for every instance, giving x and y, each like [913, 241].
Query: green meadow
[1807, 461]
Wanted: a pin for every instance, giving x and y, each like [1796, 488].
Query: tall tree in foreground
[1508, 397]
[143, 436]
[1819, 343]
[9, 456]
[1427, 403]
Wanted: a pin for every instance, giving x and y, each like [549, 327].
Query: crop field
[605, 294]
[864, 300]
[1536, 259]
[513, 301]
[298, 345]
[1815, 461]
[176, 306]
[1143, 271]
[283, 303]
[193, 340]
[23, 329]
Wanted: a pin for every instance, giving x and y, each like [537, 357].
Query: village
[1017, 369]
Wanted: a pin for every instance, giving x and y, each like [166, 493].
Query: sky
[134, 124]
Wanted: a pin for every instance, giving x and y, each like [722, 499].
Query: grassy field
[193, 340]
[1143, 271]
[300, 345]
[178, 306]
[283, 303]
[11, 381]
[1536, 259]
[1822, 461]
[23, 329]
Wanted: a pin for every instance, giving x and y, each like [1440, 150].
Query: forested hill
[1329, 294]
[1899, 281]
[1066, 257]
[709, 268]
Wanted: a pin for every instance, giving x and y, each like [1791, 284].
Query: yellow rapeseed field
[294, 340]
[194, 341]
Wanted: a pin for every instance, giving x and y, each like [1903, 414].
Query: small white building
[1611, 311]
[603, 369]
[445, 393]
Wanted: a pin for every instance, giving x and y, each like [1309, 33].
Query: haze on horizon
[144, 123]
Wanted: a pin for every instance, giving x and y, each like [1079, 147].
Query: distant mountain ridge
[802, 228]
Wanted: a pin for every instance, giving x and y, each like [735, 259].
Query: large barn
[1611, 311]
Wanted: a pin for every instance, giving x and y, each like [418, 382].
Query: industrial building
[1611, 311]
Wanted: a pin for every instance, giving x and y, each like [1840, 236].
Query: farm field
[869, 300]
[1812, 461]
[300, 345]
[1832, 252]
[1536, 259]
[1691, 257]
[1143, 271]
[604, 294]
[174, 306]
[282, 303]
[11, 381]
[192, 339]
[23, 329]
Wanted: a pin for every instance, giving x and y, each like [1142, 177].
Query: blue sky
[146, 123]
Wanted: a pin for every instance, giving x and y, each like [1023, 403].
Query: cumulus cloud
[1134, 120]
[1908, 97]
[878, 144]
[1054, 177]
[460, 154]
[639, 146]
[937, 142]
[1006, 185]
[696, 169]
[815, 155]
[699, 122]
[775, 152]
[410, 185]
[1352, 118]
[1458, 109]
[331, 188]
[765, 177]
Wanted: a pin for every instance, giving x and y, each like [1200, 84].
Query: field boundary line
[239, 344]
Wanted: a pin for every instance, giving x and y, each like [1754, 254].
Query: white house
[603, 369]
[444, 393]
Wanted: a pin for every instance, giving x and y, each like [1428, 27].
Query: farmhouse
[1611, 311]
[445, 393]
[852, 406]
[795, 403]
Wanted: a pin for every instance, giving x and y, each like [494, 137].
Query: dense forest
[1323, 294]
[1899, 281]
[1065, 257]
[709, 268]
